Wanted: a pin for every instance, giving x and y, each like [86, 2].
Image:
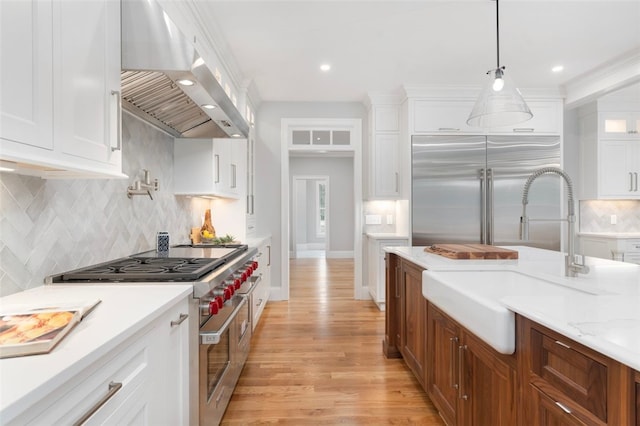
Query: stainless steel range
[222, 282]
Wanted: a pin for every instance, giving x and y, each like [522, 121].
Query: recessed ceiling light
[325, 67]
[185, 82]
[209, 106]
[557, 68]
[236, 135]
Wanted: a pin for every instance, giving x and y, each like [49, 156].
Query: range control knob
[219, 301]
[236, 283]
[254, 265]
[213, 307]
[228, 292]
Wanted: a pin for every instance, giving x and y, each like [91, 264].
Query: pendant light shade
[500, 102]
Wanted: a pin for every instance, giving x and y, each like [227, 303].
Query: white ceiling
[378, 46]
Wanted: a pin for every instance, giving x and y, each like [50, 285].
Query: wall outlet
[373, 219]
[614, 219]
[389, 219]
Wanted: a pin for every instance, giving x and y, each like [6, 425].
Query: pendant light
[500, 102]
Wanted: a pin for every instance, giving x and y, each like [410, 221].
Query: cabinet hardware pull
[635, 174]
[489, 206]
[217, 160]
[233, 176]
[396, 182]
[563, 407]
[114, 387]
[564, 345]
[180, 320]
[483, 206]
[523, 129]
[259, 302]
[461, 390]
[448, 129]
[453, 342]
[119, 121]
[630, 181]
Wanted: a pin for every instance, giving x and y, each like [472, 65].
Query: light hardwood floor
[317, 359]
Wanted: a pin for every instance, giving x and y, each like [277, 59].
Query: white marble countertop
[608, 323]
[618, 235]
[123, 311]
[386, 236]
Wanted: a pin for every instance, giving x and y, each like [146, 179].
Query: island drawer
[566, 379]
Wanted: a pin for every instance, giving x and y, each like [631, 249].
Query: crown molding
[620, 72]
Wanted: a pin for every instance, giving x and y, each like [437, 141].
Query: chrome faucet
[571, 267]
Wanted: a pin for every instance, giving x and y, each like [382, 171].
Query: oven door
[218, 366]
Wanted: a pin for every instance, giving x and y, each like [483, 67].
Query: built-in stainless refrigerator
[468, 189]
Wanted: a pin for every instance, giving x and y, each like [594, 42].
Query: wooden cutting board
[471, 251]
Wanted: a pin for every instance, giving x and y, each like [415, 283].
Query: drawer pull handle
[114, 387]
[448, 129]
[461, 373]
[563, 407]
[453, 342]
[524, 130]
[564, 345]
[180, 320]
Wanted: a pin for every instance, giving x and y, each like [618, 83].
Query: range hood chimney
[155, 56]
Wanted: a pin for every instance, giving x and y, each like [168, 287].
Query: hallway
[317, 359]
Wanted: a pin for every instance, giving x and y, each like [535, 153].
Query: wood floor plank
[317, 360]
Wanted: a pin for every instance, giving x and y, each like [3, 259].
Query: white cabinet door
[546, 119]
[442, 116]
[262, 292]
[376, 267]
[86, 72]
[60, 107]
[26, 106]
[386, 166]
[619, 167]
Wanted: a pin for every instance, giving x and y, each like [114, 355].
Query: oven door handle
[213, 337]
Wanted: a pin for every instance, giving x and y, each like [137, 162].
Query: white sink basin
[472, 297]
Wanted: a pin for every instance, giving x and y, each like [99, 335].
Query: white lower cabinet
[262, 291]
[376, 265]
[144, 380]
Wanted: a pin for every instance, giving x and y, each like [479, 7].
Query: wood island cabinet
[406, 315]
[637, 398]
[566, 383]
[468, 381]
[413, 315]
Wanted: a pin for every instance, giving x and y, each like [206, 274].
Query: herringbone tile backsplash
[595, 216]
[52, 226]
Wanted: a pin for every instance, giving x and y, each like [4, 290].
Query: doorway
[330, 139]
[310, 214]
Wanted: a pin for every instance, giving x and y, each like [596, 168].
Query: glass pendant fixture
[500, 103]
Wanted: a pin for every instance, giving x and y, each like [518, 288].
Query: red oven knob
[219, 301]
[254, 264]
[249, 271]
[228, 292]
[243, 278]
[236, 284]
[213, 307]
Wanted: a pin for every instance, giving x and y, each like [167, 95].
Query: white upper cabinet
[210, 167]
[609, 152]
[26, 73]
[384, 178]
[60, 104]
[619, 125]
[450, 116]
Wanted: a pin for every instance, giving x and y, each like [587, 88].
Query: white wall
[268, 168]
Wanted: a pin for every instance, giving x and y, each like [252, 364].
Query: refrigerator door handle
[489, 203]
[483, 206]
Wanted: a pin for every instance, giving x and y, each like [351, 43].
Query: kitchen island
[576, 341]
[124, 348]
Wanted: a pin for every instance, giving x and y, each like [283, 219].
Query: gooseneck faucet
[572, 268]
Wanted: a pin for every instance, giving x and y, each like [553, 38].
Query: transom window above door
[320, 137]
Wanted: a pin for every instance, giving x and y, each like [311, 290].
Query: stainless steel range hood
[155, 55]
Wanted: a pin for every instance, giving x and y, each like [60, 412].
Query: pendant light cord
[497, 36]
